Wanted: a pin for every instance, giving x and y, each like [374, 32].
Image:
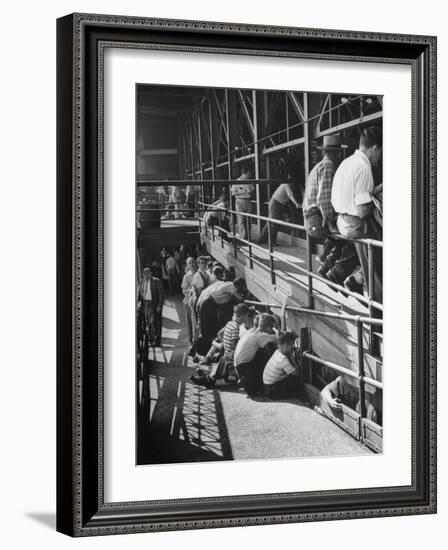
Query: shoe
[353, 285]
[204, 381]
[332, 279]
[202, 372]
[322, 272]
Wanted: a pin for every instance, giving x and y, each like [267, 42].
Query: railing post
[361, 388]
[271, 250]
[371, 286]
[251, 263]
[309, 266]
[234, 233]
[305, 346]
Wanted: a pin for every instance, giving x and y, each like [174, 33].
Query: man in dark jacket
[151, 297]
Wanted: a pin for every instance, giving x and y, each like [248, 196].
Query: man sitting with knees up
[230, 340]
[251, 354]
[281, 373]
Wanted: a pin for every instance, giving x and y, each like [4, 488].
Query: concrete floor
[181, 422]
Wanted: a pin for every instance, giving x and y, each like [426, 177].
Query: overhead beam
[282, 146]
[157, 152]
[350, 123]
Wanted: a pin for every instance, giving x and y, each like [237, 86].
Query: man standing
[352, 198]
[151, 296]
[243, 200]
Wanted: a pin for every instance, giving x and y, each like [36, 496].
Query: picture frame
[81, 507]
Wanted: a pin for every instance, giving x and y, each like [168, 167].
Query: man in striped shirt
[230, 340]
[251, 355]
[280, 375]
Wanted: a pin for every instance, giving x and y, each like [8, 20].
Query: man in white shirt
[352, 199]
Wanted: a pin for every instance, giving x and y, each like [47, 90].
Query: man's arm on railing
[365, 210]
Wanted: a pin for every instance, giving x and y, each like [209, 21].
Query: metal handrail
[372, 242]
[341, 316]
[343, 370]
[367, 301]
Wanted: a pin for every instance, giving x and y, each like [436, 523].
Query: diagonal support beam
[246, 111]
[297, 107]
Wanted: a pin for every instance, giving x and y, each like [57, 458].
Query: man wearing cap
[352, 198]
[320, 217]
[151, 296]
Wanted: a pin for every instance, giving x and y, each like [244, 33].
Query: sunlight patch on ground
[170, 312]
[201, 427]
[155, 386]
[170, 334]
[160, 355]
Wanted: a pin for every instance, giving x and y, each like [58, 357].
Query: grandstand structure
[199, 138]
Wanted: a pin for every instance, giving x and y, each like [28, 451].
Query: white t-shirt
[352, 184]
[277, 368]
[220, 291]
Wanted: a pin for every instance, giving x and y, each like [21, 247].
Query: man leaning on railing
[352, 197]
[339, 259]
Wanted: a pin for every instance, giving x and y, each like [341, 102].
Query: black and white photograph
[259, 271]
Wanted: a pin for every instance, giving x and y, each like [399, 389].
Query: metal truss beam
[350, 123]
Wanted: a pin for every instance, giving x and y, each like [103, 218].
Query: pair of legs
[356, 228]
[243, 205]
[220, 371]
[339, 259]
[287, 388]
[251, 374]
[276, 211]
[153, 322]
[189, 322]
[173, 281]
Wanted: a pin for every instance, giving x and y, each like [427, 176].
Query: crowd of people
[233, 342]
[344, 199]
[240, 344]
[339, 198]
[229, 340]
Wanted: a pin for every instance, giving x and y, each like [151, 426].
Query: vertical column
[256, 157]
[212, 151]
[201, 164]
[267, 157]
[229, 168]
[306, 155]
